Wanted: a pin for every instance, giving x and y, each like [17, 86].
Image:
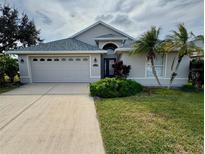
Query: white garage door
[60, 69]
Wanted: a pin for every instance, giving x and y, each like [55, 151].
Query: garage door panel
[60, 71]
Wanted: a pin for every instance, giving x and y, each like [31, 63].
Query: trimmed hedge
[114, 87]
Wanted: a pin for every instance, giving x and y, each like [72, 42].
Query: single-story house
[88, 56]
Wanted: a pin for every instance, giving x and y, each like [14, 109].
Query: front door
[108, 62]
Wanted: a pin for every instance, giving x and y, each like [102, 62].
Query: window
[77, 59]
[159, 66]
[49, 59]
[70, 59]
[35, 59]
[56, 59]
[110, 47]
[63, 59]
[85, 59]
[42, 59]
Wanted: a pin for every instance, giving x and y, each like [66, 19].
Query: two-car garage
[60, 68]
[66, 60]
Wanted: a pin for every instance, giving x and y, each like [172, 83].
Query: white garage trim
[87, 79]
[29, 69]
[95, 77]
[70, 55]
[25, 77]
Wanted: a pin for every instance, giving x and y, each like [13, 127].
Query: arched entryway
[110, 46]
[109, 59]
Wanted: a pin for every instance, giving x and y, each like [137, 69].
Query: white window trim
[109, 42]
[164, 68]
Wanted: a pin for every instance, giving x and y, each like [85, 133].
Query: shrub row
[114, 87]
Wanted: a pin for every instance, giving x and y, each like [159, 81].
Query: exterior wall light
[95, 60]
[22, 61]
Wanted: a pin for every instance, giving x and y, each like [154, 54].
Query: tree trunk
[174, 74]
[154, 71]
[1, 79]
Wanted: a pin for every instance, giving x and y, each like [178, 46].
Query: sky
[59, 19]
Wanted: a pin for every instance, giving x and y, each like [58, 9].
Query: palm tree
[149, 44]
[182, 42]
[199, 38]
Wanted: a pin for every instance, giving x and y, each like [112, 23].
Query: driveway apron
[57, 118]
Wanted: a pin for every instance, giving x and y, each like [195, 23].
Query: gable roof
[104, 24]
[107, 36]
[68, 44]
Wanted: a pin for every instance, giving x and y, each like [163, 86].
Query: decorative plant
[8, 66]
[196, 75]
[182, 42]
[114, 87]
[11, 68]
[121, 70]
[2, 69]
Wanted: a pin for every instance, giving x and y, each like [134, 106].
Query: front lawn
[168, 121]
[7, 88]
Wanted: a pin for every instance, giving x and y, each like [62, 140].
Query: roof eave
[56, 52]
[101, 22]
[126, 50]
[120, 50]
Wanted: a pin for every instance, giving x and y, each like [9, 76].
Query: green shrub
[9, 67]
[113, 87]
[189, 88]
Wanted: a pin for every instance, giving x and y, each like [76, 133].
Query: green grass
[168, 121]
[5, 89]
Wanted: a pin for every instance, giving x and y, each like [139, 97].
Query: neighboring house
[88, 56]
[200, 44]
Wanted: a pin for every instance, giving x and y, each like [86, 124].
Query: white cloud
[61, 18]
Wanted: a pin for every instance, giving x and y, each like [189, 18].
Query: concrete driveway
[57, 118]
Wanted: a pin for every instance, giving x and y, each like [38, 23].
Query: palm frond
[199, 38]
[183, 33]
[180, 41]
[147, 42]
